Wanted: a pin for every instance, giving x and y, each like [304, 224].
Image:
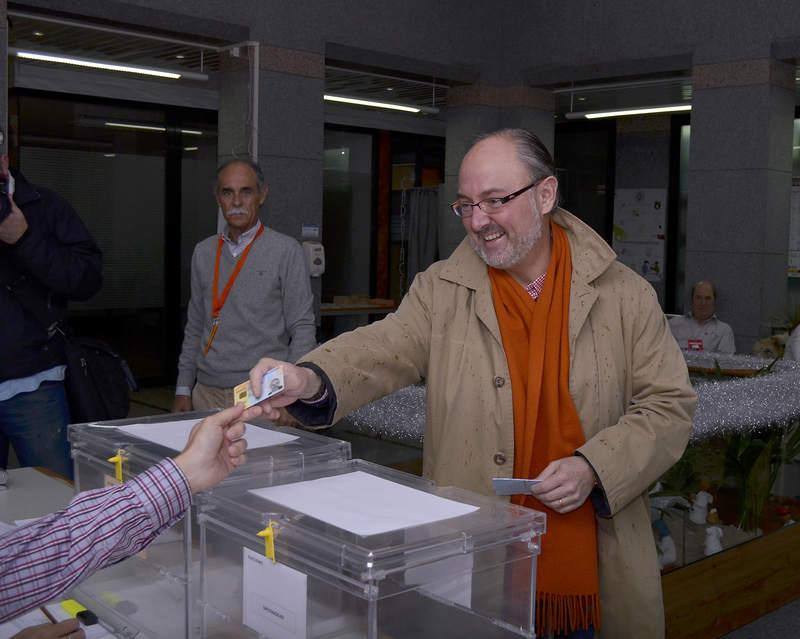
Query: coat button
[499, 459]
[499, 381]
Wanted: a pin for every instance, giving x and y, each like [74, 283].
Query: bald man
[701, 330]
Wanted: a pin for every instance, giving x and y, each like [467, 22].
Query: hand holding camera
[12, 221]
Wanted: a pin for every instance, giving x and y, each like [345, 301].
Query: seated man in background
[700, 330]
[46, 557]
[251, 296]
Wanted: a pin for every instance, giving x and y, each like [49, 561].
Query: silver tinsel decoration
[399, 417]
[727, 405]
[743, 405]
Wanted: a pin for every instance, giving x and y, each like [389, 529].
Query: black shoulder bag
[98, 381]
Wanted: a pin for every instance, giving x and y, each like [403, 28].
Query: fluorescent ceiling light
[148, 127]
[190, 148]
[138, 127]
[371, 103]
[593, 115]
[96, 64]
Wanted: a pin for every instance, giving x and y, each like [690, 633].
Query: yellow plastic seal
[117, 461]
[269, 541]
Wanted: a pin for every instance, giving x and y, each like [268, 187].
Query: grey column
[290, 132]
[476, 109]
[740, 167]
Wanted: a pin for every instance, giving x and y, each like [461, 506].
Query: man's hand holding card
[272, 383]
[296, 383]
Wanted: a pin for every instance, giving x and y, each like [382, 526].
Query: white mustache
[236, 211]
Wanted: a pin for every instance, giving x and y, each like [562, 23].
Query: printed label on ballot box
[275, 597]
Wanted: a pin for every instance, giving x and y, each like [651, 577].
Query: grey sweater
[269, 311]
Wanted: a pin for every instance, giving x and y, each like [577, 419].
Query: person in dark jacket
[47, 258]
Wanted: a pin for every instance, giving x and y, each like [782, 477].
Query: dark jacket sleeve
[58, 251]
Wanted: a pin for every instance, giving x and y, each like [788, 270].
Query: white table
[32, 493]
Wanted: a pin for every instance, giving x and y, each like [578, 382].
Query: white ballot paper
[174, 435]
[274, 598]
[364, 504]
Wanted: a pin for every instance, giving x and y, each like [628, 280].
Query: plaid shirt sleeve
[98, 528]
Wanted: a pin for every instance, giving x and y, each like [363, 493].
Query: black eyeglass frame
[502, 200]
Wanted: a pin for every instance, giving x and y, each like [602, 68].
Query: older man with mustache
[251, 296]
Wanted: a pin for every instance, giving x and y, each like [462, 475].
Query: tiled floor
[152, 401]
[783, 622]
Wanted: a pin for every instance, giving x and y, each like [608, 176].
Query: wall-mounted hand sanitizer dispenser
[315, 258]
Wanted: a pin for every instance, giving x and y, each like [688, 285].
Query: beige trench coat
[628, 380]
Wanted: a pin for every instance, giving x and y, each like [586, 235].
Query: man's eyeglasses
[490, 204]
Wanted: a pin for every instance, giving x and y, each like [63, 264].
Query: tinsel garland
[724, 406]
[743, 405]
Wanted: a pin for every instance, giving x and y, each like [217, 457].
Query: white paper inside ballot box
[175, 434]
[275, 597]
[364, 504]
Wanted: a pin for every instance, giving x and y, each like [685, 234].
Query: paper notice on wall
[640, 221]
[174, 435]
[275, 598]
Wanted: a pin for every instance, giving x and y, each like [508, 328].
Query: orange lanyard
[217, 301]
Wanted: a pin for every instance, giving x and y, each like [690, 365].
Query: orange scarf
[547, 427]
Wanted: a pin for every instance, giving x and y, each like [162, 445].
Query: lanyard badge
[217, 300]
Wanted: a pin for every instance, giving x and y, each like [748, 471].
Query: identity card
[507, 486]
[271, 384]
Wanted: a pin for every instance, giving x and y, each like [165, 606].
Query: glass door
[140, 178]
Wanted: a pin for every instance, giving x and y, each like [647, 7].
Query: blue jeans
[578, 634]
[35, 424]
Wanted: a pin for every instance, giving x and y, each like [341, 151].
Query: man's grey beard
[520, 247]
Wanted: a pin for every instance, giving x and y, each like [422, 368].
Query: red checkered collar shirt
[534, 288]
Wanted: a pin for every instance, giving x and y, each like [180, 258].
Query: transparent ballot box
[365, 551]
[153, 593]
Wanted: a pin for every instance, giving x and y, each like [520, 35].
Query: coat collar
[591, 256]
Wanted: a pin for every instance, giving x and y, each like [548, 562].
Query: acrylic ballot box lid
[125, 445]
[330, 551]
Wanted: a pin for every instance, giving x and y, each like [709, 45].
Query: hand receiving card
[271, 384]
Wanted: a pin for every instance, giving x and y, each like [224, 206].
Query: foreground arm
[358, 367]
[98, 528]
[101, 527]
